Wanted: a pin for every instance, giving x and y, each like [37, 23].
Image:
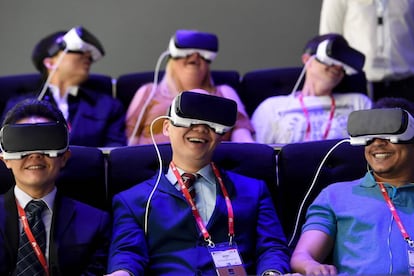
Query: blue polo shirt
[356, 216]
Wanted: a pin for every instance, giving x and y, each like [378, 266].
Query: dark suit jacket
[96, 119]
[174, 244]
[79, 239]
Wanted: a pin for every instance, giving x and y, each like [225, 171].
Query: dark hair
[391, 102]
[33, 107]
[42, 50]
[312, 45]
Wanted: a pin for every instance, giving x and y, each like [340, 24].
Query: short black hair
[42, 49]
[33, 107]
[394, 102]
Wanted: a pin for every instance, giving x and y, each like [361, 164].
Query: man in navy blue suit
[34, 145]
[230, 227]
[64, 60]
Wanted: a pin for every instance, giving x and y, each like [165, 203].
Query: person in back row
[64, 59]
[42, 232]
[201, 220]
[315, 112]
[188, 67]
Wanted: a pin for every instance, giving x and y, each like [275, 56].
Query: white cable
[149, 98]
[302, 73]
[49, 77]
[159, 172]
[310, 189]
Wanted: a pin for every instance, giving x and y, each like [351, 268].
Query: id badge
[227, 260]
[410, 255]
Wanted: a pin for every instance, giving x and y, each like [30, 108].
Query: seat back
[258, 85]
[83, 178]
[128, 84]
[128, 166]
[297, 164]
[15, 85]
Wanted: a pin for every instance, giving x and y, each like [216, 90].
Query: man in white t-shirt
[315, 112]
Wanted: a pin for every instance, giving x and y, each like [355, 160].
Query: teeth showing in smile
[196, 140]
[35, 167]
[381, 155]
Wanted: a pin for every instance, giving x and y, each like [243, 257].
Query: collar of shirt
[206, 172]
[23, 198]
[72, 90]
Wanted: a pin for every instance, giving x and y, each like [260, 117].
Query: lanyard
[194, 209]
[395, 215]
[308, 123]
[36, 248]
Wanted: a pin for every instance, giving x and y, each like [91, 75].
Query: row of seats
[94, 175]
[253, 87]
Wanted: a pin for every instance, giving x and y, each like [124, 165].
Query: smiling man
[223, 223]
[368, 223]
[68, 237]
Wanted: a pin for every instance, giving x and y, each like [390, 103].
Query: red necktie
[189, 179]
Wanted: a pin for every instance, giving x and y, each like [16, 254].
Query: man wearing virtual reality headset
[183, 243]
[34, 145]
[315, 112]
[190, 54]
[64, 59]
[368, 222]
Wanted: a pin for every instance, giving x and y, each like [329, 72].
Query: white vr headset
[338, 52]
[193, 108]
[393, 124]
[186, 42]
[78, 39]
[20, 140]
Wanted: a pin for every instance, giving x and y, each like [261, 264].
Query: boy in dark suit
[65, 237]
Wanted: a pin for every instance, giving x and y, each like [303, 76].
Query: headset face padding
[393, 124]
[192, 108]
[19, 140]
[187, 42]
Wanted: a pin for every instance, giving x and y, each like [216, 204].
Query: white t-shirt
[281, 119]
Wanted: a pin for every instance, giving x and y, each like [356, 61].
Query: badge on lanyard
[227, 259]
[410, 255]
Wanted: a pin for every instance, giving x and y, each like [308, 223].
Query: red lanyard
[194, 209]
[36, 247]
[308, 123]
[395, 215]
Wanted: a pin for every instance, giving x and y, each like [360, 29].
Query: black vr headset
[19, 140]
[78, 39]
[186, 42]
[336, 51]
[393, 124]
[193, 108]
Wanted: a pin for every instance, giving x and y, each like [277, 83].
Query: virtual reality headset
[193, 108]
[187, 42]
[20, 140]
[78, 39]
[336, 51]
[393, 124]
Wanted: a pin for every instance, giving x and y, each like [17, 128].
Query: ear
[166, 127]
[49, 63]
[65, 157]
[305, 58]
[6, 162]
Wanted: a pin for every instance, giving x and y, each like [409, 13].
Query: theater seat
[297, 164]
[131, 165]
[15, 85]
[83, 177]
[128, 84]
[258, 85]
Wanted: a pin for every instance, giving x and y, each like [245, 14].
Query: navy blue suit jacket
[174, 244]
[96, 119]
[79, 241]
